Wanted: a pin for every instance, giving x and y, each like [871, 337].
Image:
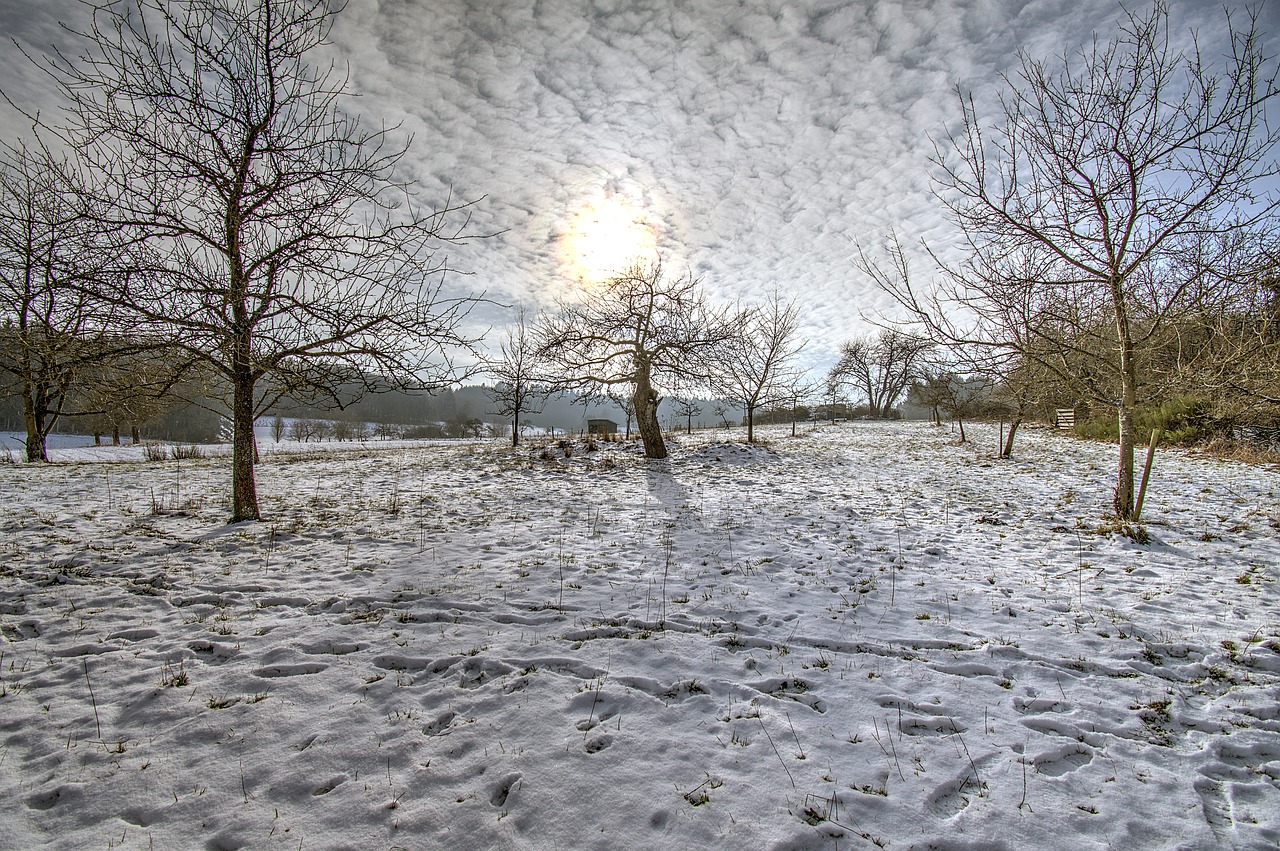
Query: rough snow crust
[863, 636]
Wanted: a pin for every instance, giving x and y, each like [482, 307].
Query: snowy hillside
[864, 636]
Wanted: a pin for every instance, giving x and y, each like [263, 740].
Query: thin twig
[775, 750]
[972, 765]
[799, 747]
[96, 720]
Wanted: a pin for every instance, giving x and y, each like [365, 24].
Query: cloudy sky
[749, 142]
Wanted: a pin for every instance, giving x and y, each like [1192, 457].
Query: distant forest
[201, 420]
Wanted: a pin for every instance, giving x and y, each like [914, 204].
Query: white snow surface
[864, 636]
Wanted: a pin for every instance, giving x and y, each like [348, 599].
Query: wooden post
[1156, 434]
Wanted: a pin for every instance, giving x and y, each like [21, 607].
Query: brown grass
[1240, 450]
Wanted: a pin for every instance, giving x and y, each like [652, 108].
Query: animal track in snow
[791, 688]
[274, 671]
[329, 785]
[440, 724]
[1060, 761]
[502, 790]
[598, 743]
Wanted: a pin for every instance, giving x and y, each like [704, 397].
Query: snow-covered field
[865, 636]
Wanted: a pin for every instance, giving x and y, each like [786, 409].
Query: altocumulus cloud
[760, 137]
[757, 138]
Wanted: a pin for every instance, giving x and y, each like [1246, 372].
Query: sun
[603, 235]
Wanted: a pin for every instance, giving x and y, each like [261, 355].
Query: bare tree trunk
[1128, 401]
[960, 422]
[515, 429]
[244, 491]
[1007, 451]
[1124, 473]
[751, 424]
[646, 401]
[35, 432]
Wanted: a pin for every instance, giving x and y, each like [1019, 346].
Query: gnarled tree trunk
[646, 400]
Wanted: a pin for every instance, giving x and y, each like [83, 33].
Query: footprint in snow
[1064, 760]
[599, 743]
[276, 671]
[49, 800]
[331, 648]
[329, 785]
[949, 799]
[440, 724]
[1038, 706]
[503, 789]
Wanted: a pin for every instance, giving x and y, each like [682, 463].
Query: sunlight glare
[603, 235]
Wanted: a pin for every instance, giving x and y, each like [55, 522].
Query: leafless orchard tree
[521, 387]
[881, 367]
[1082, 200]
[757, 368]
[800, 389]
[641, 331]
[688, 408]
[272, 234]
[1020, 389]
[56, 332]
[131, 386]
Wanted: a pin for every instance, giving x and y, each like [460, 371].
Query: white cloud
[761, 136]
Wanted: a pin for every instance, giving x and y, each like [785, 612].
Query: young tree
[962, 397]
[929, 390]
[800, 389]
[882, 368]
[272, 237]
[627, 405]
[520, 388]
[687, 408]
[756, 369]
[640, 331]
[1106, 170]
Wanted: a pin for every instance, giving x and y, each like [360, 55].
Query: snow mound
[732, 453]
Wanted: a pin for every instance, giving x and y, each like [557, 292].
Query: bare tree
[57, 333]
[521, 387]
[799, 389]
[929, 390]
[1105, 170]
[272, 235]
[962, 397]
[687, 408]
[882, 368]
[640, 331]
[128, 388]
[757, 369]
